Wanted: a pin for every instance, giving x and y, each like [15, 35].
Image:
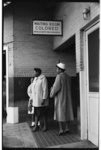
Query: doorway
[92, 78]
[4, 83]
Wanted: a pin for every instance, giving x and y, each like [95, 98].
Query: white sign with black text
[47, 27]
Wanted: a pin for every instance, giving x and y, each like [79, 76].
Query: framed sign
[47, 27]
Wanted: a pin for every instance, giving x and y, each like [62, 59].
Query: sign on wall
[47, 27]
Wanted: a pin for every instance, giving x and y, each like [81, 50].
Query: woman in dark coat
[61, 91]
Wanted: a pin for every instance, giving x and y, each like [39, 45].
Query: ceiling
[47, 4]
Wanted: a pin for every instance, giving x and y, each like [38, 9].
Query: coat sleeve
[45, 88]
[29, 91]
[56, 87]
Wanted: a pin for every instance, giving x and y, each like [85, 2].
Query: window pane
[93, 56]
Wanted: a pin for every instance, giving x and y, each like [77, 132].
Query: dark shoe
[67, 131]
[32, 126]
[61, 133]
[35, 129]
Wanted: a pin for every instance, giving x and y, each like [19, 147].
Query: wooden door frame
[88, 93]
[5, 47]
[83, 85]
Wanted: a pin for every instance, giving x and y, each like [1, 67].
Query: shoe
[38, 123]
[67, 131]
[33, 124]
[61, 133]
[35, 129]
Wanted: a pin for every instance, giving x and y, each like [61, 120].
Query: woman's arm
[45, 88]
[56, 86]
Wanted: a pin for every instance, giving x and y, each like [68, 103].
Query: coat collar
[40, 77]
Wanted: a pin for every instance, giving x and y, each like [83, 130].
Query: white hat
[61, 66]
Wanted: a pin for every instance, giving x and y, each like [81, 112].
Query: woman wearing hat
[62, 93]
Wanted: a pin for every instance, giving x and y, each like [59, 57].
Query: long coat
[61, 91]
[40, 91]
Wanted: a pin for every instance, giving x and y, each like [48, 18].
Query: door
[4, 84]
[92, 70]
[5, 72]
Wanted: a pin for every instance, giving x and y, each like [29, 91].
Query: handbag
[30, 107]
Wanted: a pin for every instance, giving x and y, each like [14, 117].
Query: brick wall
[27, 51]
[35, 51]
[71, 14]
[20, 94]
[73, 22]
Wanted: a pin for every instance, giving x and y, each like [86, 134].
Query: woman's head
[37, 72]
[60, 67]
[59, 70]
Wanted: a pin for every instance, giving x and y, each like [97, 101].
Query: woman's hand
[43, 102]
[30, 101]
[51, 92]
[30, 105]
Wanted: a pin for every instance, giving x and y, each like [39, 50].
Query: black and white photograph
[51, 74]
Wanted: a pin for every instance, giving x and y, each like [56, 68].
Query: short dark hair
[38, 70]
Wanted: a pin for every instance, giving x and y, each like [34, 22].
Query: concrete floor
[81, 144]
[21, 136]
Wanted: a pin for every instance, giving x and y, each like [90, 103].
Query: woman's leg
[43, 118]
[33, 120]
[44, 123]
[36, 124]
[66, 129]
[37, 114]
[60, 128]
